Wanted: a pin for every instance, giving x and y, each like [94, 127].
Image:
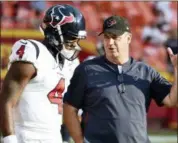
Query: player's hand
[173, 58]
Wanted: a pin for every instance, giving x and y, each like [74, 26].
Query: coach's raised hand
[171, 99]
[173, 58]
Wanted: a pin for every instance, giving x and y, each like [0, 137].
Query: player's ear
[129, 37]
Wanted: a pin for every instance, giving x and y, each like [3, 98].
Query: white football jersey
[39, 110]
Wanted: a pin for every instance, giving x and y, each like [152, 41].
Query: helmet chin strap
[68, 54]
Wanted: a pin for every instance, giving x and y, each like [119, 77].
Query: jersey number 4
[20, 51]
[55, 96]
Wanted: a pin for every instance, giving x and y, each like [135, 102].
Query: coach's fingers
[170, 52]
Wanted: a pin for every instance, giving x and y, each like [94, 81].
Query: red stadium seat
[145, 11]
[118, 8]
[91, 15]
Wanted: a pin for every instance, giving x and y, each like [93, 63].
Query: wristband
[10, 139]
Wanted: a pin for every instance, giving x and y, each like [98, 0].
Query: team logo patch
[111, 22]
[61, 18]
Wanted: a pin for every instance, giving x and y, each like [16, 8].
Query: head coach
[115, 92]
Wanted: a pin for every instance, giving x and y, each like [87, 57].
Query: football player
[37, 77]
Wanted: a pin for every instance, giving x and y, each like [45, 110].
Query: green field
[163, 136]
[163, 139]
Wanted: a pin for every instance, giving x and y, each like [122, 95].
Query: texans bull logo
[60, 19]
[111, 22]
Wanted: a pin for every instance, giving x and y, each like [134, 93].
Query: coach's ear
[129, 37]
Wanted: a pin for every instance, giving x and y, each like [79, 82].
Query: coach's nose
[110, 41]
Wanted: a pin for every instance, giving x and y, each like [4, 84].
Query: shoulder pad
[24, 50]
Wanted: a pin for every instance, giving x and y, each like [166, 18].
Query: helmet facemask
[67, 45]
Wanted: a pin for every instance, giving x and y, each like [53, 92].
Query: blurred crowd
[153, 25]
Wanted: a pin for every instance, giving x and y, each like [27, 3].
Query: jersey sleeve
[24, 50]
[76, 89]
[160, 87]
